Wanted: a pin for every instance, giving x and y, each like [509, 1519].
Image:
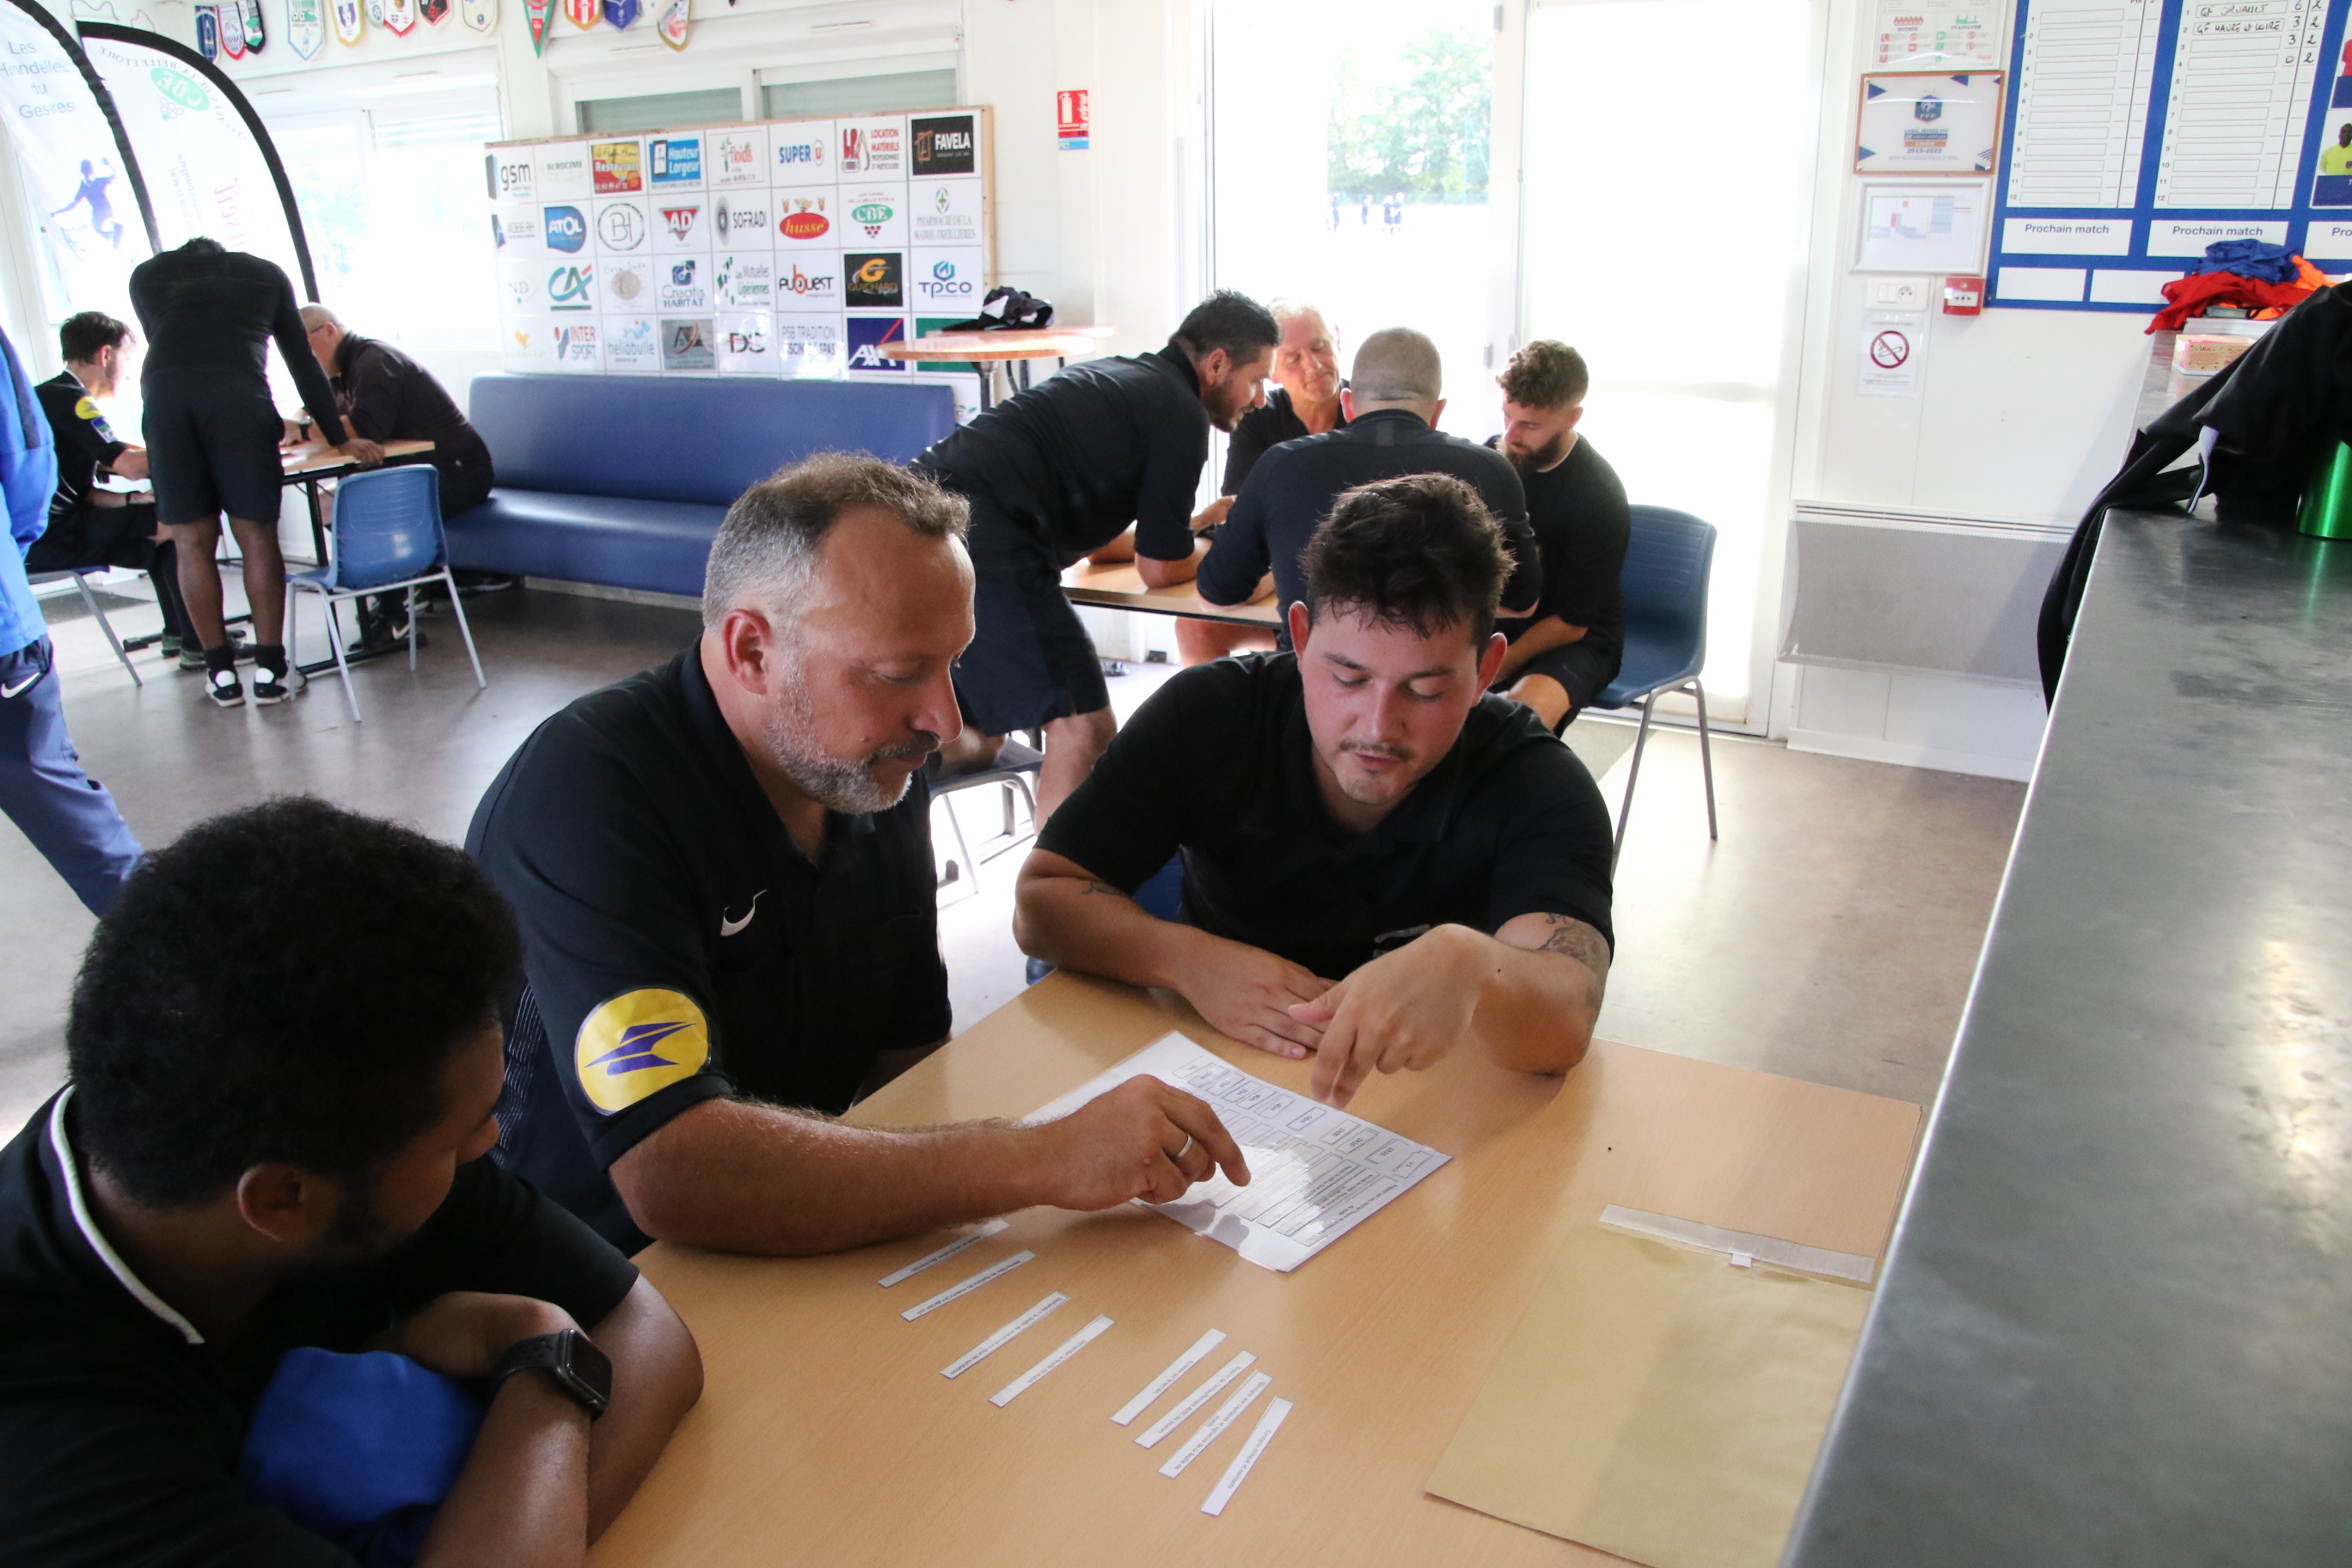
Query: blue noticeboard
[2137, 131]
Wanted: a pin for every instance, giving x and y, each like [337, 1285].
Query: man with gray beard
[723, 869]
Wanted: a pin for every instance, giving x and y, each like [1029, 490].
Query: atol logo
[681, 274]
[680, 221]
[806, 284]
[805, 156]
[637, 1042]
[676, 160]
[944, 283]
[808, 223]
[621, 227]
[564, 228]
[867, 336]
[567, 288]
[872, 216]
[945, 145]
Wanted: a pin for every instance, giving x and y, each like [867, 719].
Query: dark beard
[1542, 457]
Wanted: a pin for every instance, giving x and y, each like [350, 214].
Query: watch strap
[570, 1358]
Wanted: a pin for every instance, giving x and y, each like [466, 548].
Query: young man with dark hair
[210, 315]
[1393, 398]
[1562, 656]
[93, 527]
[1058, 473]
[1381, 861]
[274, 1141]
[723, 872]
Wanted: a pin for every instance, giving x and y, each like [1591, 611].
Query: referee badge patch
[87, 408]
[636, 1044]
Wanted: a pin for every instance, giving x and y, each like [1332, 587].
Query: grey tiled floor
[1828, 936]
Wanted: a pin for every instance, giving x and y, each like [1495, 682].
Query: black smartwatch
[570, 1358]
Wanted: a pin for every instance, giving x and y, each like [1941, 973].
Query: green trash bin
[2328, 497]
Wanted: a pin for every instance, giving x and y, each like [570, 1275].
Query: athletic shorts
[212, 446]
[1581, 671]
[90, 536]
[1030, 660]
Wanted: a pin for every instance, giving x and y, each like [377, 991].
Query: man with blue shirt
[68, 815]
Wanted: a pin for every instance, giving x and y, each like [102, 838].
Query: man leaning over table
[1381, 859]
[723, 872]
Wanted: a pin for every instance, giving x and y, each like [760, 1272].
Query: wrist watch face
[586, 1370]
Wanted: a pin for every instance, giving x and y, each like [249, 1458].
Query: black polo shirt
[1093, 447]
[121, 1426]
[1583, 524]
[86, 443]
[387, 396]
[1219, 764]
[1258, 431]
[1292, 488]
[678, 945]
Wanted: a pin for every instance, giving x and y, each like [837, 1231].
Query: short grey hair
[1396, 364]
[317, 316]
[773, 537]
[1286, 311]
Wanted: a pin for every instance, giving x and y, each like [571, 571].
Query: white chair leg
[105, 625]
[1632, 773]
[1705, 756]
[343, 665]
[464, 630]
[971, 865]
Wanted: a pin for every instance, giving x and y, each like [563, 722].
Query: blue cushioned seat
[622, 480]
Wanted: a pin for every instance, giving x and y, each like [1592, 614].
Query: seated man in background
[1381, 860]
[1560, 657]
[89, 526]
[1059, 472]
[384, 395]
[1305, 402]
[723, 870]
[273, 1141]
[1392, 401]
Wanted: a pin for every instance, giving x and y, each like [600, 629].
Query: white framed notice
[1923, 228]
[1928, 122]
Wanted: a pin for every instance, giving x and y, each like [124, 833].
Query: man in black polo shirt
[274, 1140]
[1057, 474]
[1392, 403]
[1561, 656]
[1381, 861]
[723, 871]
[89, 526]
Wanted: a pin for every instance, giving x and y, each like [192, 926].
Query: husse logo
[807, 222]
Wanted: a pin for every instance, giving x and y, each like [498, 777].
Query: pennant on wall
[232, 29]
[209, 32]
[583, 13]
[350, 21]
[255, 36]
[676, 15]
[375, 12]
[306, 28]
[620, 13]
[537, 12]
[434, 12]
[481, 15]
[399, 17]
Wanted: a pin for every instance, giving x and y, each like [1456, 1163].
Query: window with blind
[891, 93]
[657, 112]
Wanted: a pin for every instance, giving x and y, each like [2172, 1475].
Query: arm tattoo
[1581, 942]
[1096, 885]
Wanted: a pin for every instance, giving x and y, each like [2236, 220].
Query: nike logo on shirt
[728, 926]
[8, 691]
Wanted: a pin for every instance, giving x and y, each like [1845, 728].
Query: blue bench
[621, 480]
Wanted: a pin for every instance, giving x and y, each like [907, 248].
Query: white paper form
[2085, 74]
[1315, 1173]
[2241, 78]
[1911, 37]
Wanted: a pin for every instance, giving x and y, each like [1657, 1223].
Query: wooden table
[987, 350]
[826, 1435]
[1121, 588]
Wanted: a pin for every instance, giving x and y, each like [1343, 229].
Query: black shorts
[1030, 660]
[90, 536]
[1581, 668]
[212, 446]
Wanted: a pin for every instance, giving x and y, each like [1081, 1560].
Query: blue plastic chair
[1667, 561]
[387, 535]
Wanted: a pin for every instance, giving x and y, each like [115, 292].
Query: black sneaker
[269, 686]
[224, 689]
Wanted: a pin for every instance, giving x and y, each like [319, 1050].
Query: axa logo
[564, 229]
[801, 282]
[680, 221]
[567, 288]
[808, 223]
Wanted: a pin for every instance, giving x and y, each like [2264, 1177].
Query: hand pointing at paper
[1143, 1140]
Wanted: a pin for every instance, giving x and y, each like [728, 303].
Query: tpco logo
[680, 221]
[944, 283]
[740, 220]
[567, 288]
[621, 227]
[564, 229]
[801, 282]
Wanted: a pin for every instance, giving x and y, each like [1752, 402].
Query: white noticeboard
[1923, 228]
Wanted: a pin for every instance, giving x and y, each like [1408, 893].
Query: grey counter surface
[2116, 1322]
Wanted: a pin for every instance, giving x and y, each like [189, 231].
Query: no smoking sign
[1891, 356]
[1889, 349]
